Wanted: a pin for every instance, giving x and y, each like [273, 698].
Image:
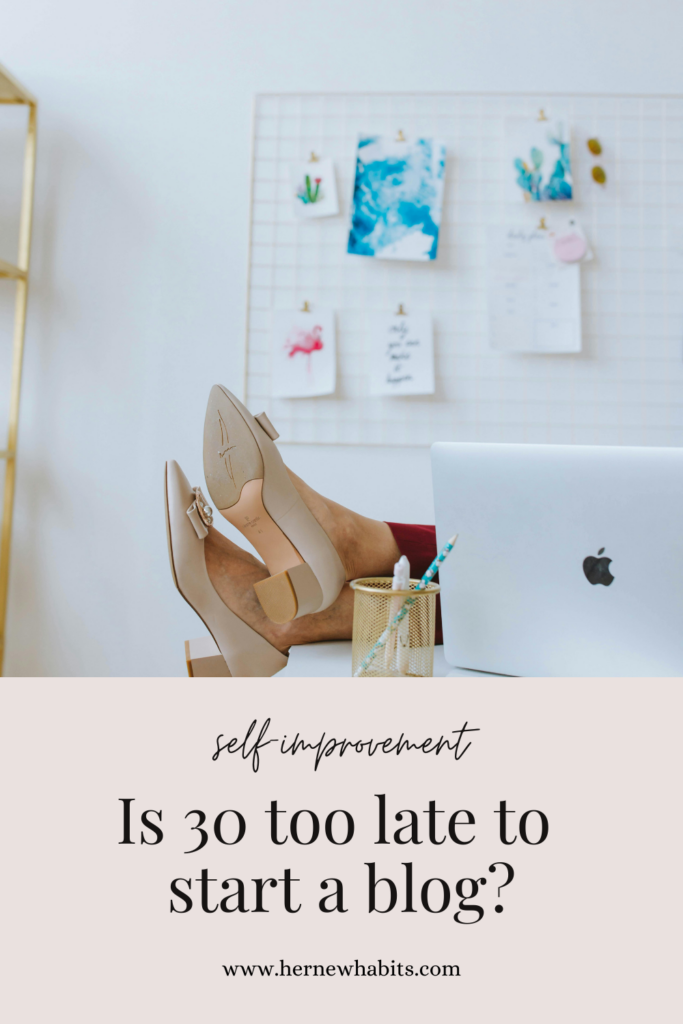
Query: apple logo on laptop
[596, 570]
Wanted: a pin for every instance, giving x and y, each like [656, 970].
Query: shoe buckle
[200, 513]
[203, 507]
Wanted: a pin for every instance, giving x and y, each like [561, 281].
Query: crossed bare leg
[365, 546]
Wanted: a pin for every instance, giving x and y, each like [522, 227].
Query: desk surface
[333, 659]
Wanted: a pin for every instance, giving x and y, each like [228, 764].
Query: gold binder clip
[313, 158]
[541, 115]
[400, 137]
[305, 308]
[401, 311]
[542, 226]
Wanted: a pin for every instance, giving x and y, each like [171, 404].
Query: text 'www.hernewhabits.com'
[380, 969]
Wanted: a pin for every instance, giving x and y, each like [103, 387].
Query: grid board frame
[626, 385]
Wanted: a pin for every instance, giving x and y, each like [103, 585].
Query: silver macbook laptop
[569, 560]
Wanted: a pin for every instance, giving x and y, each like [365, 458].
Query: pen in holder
[403, 647]
[409, 648]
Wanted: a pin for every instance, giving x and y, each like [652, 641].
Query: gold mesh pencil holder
[409, 650]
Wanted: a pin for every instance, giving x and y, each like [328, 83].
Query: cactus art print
[540, 162]
[313, 189]
[309, 190]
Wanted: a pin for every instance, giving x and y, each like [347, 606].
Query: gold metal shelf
[12, 92]
[9, 270]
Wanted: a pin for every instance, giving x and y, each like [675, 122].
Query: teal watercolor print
[397, 199]
[542, 163]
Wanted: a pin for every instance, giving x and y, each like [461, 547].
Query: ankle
[344, 534]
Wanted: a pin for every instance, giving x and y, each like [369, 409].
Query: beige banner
[385, 823]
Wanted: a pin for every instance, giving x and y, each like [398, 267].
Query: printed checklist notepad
[534, 302]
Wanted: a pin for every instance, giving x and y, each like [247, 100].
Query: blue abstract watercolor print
[397, 199]
[543, 172]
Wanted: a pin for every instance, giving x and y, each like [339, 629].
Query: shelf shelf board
[11, 91]
[9, 270]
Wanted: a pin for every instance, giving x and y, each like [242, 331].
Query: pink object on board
[570, 248]
[306, 342]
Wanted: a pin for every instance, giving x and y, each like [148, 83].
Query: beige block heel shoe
[250, 486]
[246, 652]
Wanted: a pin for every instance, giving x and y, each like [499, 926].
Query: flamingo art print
[306, 342]
[303, 355]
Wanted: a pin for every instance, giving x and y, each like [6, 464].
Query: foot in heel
[250, 486]
[188, 520]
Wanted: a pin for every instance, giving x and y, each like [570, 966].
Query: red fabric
[418, 544]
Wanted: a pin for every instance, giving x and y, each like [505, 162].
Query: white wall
[140, 252]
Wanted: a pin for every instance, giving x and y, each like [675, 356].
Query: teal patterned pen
[409, 601]
[434, 567]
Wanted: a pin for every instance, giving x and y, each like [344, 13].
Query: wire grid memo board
[624, 387]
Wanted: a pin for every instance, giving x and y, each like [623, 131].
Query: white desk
[333, 659]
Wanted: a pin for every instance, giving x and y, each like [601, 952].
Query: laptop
[569, 560]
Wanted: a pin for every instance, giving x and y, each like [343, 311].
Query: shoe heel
[289, 594]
